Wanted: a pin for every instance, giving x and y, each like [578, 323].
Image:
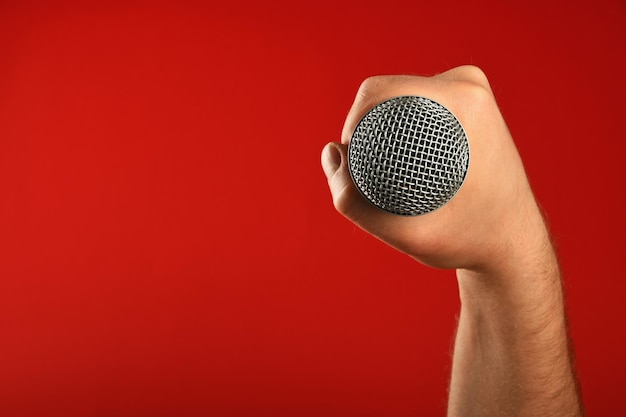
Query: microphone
[408, 155]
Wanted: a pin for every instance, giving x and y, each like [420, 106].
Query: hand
[511, 353]
[493, 219]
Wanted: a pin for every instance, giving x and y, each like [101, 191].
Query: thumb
[332, 157]
[346, 198]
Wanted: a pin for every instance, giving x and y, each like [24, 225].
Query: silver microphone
[408, 155]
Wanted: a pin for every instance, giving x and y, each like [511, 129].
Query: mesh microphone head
[408, 155]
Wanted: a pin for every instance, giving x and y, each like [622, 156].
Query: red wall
[168, 245]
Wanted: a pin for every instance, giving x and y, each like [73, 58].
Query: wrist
[524, 286]
[520, 242]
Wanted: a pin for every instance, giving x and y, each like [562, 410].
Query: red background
[168, 246]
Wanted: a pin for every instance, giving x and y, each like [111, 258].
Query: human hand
[511, 352]
[493, 220]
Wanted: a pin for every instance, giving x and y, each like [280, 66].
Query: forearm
[511, 351]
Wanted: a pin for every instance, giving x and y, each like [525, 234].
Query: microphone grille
[408, 155]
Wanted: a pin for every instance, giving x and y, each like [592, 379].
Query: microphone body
[408, 155]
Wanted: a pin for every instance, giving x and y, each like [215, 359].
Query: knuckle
[347, 202]
[471, 94]
[468, 76]
[342, 200]
[474, 74]
[369, 87]
[476, 93]
[379, 85]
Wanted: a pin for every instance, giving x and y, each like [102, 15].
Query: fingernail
[331, 159]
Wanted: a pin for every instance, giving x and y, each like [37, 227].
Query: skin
[511, 355]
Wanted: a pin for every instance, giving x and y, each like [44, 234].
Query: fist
[491, 222]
